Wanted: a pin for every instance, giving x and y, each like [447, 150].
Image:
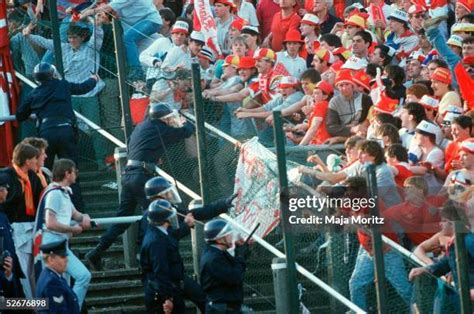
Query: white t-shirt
[59, 202]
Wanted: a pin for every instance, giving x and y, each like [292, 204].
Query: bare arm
[326, 176]
[295, 107]
[52, 224]
[427, 246]
[316, 122]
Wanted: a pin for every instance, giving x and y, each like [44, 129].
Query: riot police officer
[222, 275]
[52, 104]
[161, 263]
[147, 143]
[51, 284]
[159, 188]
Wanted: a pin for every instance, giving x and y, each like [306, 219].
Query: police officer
[160, 188]
[10, 270]
[51, 102]
[222, 275]
[51, 284]
[162, 127]
[161, 263]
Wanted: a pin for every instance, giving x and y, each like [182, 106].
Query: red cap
[265, 53]
[325, 87]
[293, 36]
[336, 66]
[227, 2]
[442, 74]
[362, 79]
[344, 76]
[246, 63]
[416, 8]
[238, 24]
[467, 4]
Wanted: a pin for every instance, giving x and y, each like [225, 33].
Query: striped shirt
[79, 64]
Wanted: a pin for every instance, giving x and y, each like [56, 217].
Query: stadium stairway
[118, 289]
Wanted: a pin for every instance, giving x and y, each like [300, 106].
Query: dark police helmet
[44, 72]
[161, 211]
[216, 229]
[158, 110]
[156, 186]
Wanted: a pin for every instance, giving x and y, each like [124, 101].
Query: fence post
[292, 289]
[198, 238]
[280, 285]
[377, 243]
[122, 74]
[130, 235]
[58, 54]
[462, 267]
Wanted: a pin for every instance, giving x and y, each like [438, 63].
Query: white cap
[250, 29]
[429, 102]
[460, 178]
[310, 19]
[450, 116]
[399, 15]
[180, 26]
[288, 81]
[198, 36]
[455, 40]
[428, 127]
[355, 63]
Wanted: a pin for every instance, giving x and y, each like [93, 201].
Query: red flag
[8, 87]
[204, 22]
[466, 84]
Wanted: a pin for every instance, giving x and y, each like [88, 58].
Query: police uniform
[9, 287]
[163, 270]
[51, 102]
[145, 148]
[53, 286]
[222, 277]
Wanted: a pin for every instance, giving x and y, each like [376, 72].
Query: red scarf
[27, 190]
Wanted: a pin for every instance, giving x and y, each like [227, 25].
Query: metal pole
[285, 214]
[58, 55]
[280, 285]
[462, 267]
[377, 243]
[130, 235]
[122, 74]
[198, 238]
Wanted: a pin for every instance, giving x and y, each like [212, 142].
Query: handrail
[195, 196]
[91, 124]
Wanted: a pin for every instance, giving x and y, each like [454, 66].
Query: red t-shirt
[403, 173]
[281, 26]
[417, 222]
[266, 10]
[320, 110]
[451, 153]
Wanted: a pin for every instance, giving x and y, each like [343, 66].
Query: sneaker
[110, 185]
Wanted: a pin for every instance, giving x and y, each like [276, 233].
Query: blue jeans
[81, 275]
[132, 36]
[363, 275]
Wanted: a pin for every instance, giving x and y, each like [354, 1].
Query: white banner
[256, 182]
[207, 24]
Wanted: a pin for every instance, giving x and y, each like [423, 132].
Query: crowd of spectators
[391, 80]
